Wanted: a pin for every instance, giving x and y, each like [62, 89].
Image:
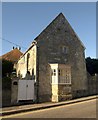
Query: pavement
[32, 107]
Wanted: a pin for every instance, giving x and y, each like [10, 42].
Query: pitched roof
[13, 55]
[59, 19]
[51, 23]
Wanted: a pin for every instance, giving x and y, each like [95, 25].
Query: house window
[59, 72]
[54, 72]
[64, 49]
[68, 78]
[65, 77]
[54, 77]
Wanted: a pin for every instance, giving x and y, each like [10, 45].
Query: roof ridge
[12, 55]
[12, 51]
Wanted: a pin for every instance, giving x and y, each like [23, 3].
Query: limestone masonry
[56, 61]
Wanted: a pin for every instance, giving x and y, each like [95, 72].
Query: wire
[12, 42]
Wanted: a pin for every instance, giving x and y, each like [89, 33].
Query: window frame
[65, 76]
[64, 49]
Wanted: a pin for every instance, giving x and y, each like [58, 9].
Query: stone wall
[6, 97]
[57, 35]
[44, 88]
[64, 92]
[6, 91]
[92, 84]
[14, 91]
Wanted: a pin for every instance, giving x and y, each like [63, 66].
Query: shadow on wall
[92, 87]
[6, 91]
[92, 84]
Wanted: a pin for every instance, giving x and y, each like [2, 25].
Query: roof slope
[13, 55]
[60, 19]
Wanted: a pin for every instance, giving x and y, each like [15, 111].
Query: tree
[92, 65]
[7, 67]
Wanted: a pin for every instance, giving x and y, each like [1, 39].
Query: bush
[6, 83]
[7, 67]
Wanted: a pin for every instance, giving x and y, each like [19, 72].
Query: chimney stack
[19, 48]
[13, 47]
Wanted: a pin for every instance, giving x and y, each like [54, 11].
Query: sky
[24, 21]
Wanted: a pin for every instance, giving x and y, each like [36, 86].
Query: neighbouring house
[56, 61]
[12, 56]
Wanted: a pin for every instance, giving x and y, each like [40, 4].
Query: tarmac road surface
[85, 109]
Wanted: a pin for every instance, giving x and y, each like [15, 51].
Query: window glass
[65, 77]
[54, 72]
[64, 49]
[59, 72]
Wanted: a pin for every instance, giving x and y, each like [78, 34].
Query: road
[86, 109]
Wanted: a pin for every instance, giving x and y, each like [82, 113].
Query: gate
[25, 90]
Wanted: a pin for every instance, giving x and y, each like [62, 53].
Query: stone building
[56, 61]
